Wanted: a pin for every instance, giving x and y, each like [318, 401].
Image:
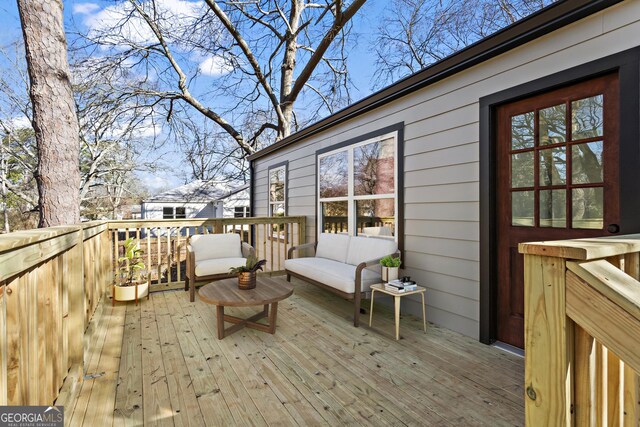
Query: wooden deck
[163, 365]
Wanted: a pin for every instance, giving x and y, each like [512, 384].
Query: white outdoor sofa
[345, 265]
[210, 256]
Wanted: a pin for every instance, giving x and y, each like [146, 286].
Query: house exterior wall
[153, 210]
[441, 158]
[239, 199]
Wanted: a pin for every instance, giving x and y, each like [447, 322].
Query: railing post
[548, 343]
[76, 302]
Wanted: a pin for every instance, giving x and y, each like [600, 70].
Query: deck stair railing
[54, 283]
[582, 332]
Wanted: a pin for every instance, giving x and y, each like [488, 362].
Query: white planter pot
[128, 293]
[393, 273]
[389, 273]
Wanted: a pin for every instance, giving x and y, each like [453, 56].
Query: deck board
[316, 370]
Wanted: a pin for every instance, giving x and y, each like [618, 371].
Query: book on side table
[400, 286]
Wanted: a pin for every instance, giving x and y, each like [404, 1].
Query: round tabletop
[226, 293]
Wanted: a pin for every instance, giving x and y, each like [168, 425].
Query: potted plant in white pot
[247, 273]
[131, 284]
[390, 267]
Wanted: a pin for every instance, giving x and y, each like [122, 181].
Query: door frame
[627, 64]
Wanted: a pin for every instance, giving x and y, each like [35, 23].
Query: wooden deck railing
[164, 242]
[53, 284]
[582, 332]
[51, 281]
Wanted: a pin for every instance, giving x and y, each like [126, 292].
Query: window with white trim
[241, 211]
[171, 212]
[358, 188]
[278, 191]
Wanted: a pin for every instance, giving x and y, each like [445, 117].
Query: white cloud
[85, 8]
[215, 66]
[21, 122]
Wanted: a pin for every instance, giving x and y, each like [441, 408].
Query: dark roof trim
[536, 25]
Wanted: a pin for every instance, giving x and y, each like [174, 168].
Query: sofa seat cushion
[217, 266]
[332, 273]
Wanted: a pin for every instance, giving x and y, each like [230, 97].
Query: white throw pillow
[333, 246]
[363, 249]
[212, 246]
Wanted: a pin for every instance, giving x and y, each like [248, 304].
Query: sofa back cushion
[333, 246]
[212, 246]
[363, 249]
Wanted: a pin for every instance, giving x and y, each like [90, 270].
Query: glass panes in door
[557, 167]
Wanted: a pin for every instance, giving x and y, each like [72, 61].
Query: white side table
[396, 299]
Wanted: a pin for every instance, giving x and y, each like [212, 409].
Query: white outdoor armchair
[210, 256]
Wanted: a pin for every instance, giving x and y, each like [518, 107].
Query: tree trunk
[54, 115]
[288, 67]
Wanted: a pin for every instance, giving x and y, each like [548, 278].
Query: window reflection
[334, 175]
[376, 217]
[335, 217]
[586, 118]
[522, 131]
[552, 125]
[373, 166]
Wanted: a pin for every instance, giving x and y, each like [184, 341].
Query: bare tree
[263, 55]
[117, 138]
[54, 115]
[417, 33]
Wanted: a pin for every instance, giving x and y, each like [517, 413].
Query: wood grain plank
[604, 320]
[101, 403]
[546, 364]
[129, 398]
[208, 384]
[156, 399]
[184, 403]
[92, 365]
[4, 357]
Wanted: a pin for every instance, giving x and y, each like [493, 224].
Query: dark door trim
[627, 64]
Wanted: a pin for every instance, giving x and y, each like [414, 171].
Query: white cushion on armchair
[208, 267]
[215, 246]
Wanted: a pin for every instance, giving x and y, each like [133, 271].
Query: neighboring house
[198, 199]
[530, 134]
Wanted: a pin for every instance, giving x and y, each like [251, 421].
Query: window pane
[376, 217]
[373, 166]
[552, 125]
[587, 163]
[587, 207]
[334, 175]
[522, 169]
[553, 166]
[167, 213]
[553, 208]
[522, 208]
[586, 118]
[276, 185]
[334, 217]
[277, 209]
[240, 211]
[522, 131]
[181, 213]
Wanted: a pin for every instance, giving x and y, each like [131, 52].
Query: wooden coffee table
[225, 293]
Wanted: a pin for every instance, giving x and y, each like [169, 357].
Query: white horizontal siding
[441, 163]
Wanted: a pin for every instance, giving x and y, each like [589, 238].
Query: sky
[82, 14]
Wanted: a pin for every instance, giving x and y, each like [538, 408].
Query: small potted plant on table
[390, 267]
[131, 284]
[247, 273]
